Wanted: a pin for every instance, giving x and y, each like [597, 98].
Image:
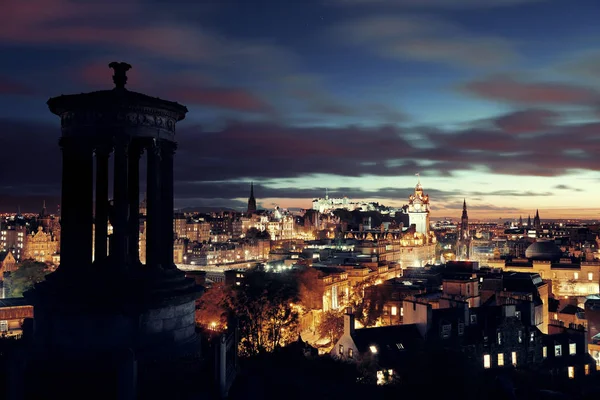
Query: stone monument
[113, 320]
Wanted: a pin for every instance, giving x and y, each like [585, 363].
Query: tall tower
[418, 209]
[149, 315]
[464, 222]
[251, 200]
[529, 221]
[537, 223]
[463, 245]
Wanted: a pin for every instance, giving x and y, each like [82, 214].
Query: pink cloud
[516, 91]
[228, 98]
[13, 88]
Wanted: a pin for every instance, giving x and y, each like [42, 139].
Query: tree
[254, 233]
[263, 306]
[25, 277]
[331, 325]
[211, 312]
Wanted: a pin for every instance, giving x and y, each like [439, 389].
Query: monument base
[119, 327]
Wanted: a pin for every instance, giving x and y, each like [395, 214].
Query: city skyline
[497, 104]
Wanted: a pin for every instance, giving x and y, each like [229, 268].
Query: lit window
[350, 353]
[558, 350]
[461, 329]
[487, 362]
[575, 275]
[590, 276]
[500, 359]
[555, 315]
[572, 348]
[499, 337]
[571, 372]
[514, 358]
[544, 351]
[401, 311]
[373, 349]
[518, 314]
[520, 336]
[400, 346]
[532, 337]
[341, 349]
[394, 310]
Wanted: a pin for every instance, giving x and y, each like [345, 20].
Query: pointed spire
[251, 189]
[464, 204]
[537, 213]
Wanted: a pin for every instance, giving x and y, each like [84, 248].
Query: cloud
[527, 121]
[135, 28]
[511, 90]
[220, 163]
[511, 193]
[424, 38]
[228, 98]
[10, 87]
[567, 187]
[587, 66]
[450, 4]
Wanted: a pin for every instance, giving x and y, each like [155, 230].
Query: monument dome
[543, 251]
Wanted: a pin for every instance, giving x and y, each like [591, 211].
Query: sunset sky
[495, 101]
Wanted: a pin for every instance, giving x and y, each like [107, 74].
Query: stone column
[153, 195]
[121, 204]
[76, 204]
[166, 176]
[135, 151]
[101, 233]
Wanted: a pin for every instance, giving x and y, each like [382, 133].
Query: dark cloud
[509, 89]
[527, 121]
[567, 187]
[423, 38]
[237, 190]
[212, 164]
[449, 4]
[458, 205]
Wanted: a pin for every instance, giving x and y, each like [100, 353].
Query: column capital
[103, 149]
[136, 148]
[75, 143]
[153, 147]
[168, 148]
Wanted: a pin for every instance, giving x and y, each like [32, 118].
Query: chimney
[349, 322]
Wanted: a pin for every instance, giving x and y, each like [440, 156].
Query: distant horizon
[33, 204]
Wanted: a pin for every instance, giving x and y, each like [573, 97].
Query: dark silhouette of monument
[112, 325]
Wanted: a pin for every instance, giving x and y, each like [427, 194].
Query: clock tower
[418, 210]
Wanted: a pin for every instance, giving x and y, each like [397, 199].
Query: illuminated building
[13, 239]
[7, 263]
[418, 210]
[41, 246]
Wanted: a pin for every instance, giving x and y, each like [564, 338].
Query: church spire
[464, 221]
[251, 200]
[537, 223]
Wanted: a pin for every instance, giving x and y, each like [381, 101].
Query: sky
[492, 101]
